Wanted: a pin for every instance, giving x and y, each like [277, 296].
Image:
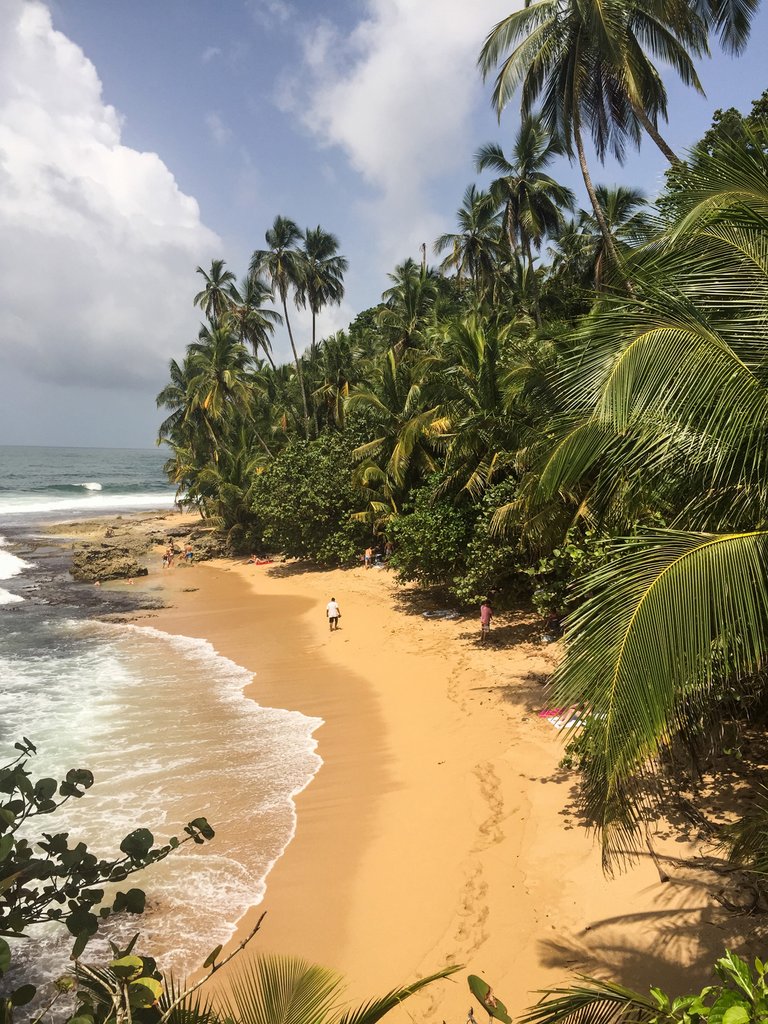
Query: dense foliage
[46, 878]
[571, 409]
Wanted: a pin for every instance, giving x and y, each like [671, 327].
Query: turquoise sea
[160, 720]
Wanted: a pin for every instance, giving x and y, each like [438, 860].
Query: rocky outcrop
[99, 562]
[207, 544]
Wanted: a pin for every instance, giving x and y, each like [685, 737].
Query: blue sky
[138, 140]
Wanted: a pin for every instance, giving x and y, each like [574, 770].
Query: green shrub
[304, 499]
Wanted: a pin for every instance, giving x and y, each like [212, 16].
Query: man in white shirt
[333, 613]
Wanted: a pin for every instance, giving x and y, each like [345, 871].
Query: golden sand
[440, 828]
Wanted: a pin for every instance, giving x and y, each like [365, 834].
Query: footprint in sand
[490, 829]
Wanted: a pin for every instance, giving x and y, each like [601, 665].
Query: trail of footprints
[473, 909]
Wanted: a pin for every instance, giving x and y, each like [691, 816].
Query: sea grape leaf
[127, 966]
[483, 992]
[132, 902]
[144, 991]
[6, 845]
[138, 843]
[5, 956]
[23, 995]
[211, 958]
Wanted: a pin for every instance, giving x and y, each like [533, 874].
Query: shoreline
[439, 828]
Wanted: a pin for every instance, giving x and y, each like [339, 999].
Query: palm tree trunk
[297, 364]
[270, 360]
[263, 443]
[314, 356]
[655, 134]
[534, 283]
[610, 245]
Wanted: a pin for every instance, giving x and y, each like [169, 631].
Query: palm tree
[218, 381]
[283, 264]
[731, 20]
[277, 989]
[474, 247]
[628, 220]
[174, 397]
[322, 277]
[408, 306]
[669, 396]
[532, 201]
[479, 435]
[338, 371]
[585, 61]
[403, 451]
[252, 321]
[214, 299]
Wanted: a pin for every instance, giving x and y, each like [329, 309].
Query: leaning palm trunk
[534, 283]
[656, 135]
[610, 245]
[299, 373]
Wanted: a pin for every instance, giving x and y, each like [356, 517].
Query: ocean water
[160, 720]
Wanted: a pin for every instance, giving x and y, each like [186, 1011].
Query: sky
[141, 140]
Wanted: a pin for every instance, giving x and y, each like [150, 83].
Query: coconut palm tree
[174, 397]
[479, 439]
[252, 321]
[404, 450]
[669, 396]
[585, 62]
[408, 307]
[731, 19]
[218, 381]
[215, 298]
[628, 220]
[322, 276]
[283, 264]
[533, 202]
[338, 372]
[474, 248]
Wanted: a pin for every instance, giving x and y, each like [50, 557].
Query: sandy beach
[440, 828]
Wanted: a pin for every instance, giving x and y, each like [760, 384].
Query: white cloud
[398, 95]
[209, 53]
[100, 245]
[268, 13]
[219, 132]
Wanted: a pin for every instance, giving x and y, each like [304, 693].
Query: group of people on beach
[170, 553]
[376, 556]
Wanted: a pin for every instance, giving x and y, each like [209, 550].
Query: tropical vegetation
[569, 411]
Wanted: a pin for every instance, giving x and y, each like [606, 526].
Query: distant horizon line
[87, 447]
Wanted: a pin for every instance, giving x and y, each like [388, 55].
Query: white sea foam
[10, 566]
[92, 486]
[163, 722]
[93, 501]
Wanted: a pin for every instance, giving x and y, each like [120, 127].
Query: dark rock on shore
[100, 562]
[207, 544]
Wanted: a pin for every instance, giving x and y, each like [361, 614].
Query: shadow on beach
[684, 932]
[287, 570]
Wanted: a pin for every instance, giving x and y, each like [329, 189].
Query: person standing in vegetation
[486, 614]
[333, 613]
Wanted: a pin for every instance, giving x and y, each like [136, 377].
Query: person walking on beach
[486, 614]
[333, 613]
[368, 557]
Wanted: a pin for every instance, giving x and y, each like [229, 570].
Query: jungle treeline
[552, 405]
